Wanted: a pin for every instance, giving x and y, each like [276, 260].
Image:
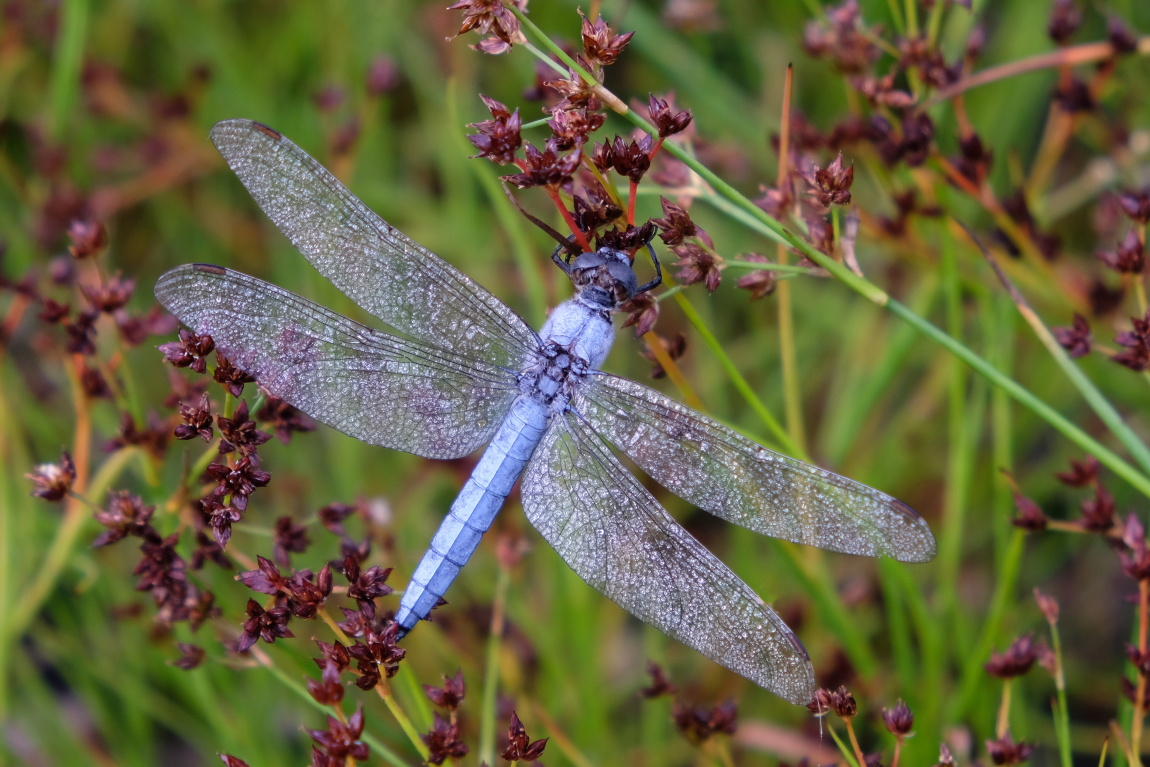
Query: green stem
[64, 85]
[759, 266]
[489, 700]
[781, 437]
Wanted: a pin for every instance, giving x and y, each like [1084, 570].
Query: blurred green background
[104, 112]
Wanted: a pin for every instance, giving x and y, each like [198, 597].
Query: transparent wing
[396, 279]
[736, 479]
[617, 537]
[375, 387]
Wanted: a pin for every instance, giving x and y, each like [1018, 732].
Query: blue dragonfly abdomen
[474, 509]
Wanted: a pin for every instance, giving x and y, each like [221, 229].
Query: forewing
[617, 537]
[391, 276]
[370, 385]
[736, 479]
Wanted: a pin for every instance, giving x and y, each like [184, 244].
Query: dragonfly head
[604, 279]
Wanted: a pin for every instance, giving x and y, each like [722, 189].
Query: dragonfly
[462, 370]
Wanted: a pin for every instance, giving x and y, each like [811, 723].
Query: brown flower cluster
[578, 173]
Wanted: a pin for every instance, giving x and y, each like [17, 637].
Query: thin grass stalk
[489, 699]
[64, 87]
[844, 749]
[788, 356]
[741, 385]
[1005, 585]
[1059, 706]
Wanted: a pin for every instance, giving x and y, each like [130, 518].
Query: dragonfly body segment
[463, 370]
[577, 336]
[474, 509]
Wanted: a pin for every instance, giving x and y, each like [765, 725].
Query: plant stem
[488, 702]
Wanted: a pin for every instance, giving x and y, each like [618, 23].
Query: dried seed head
[1137, 344]
[627, 240]
[1136, 559]
[1098, 512]
[840, 701]
[268, 625]
[1074, 96]
[842, 39]
[53, 481]
[918, 138]
[230, 376]
[289, 538]
[443, 741]
[898, 720]
[642, 311]
[519, 746]
[125, 515]
[450, 695]
[283, 418]
[1065, 19]
[1005, 751]
[600, 45]
[1030, 516]
[700, 724]
[630, 159]
[341, 742]
[1016, 661]
[830, 185]
[548, 168]
[328, 690]
[1082, 473]
[676, 225]
[499, 138]
[1135, 203]
[1129, 255]
[239, 433]
[191, 656]
[89, 238]
[1077, 339]
[660, 684]
[110, 296]
[382, 76]
[1047, 605]
[267, 579]
[189, 352]
[697, 265]
[572, 127]
[595, 209]
[1124, 40]
[493, 20]
[761, 282]
[666, 119]
[196, 420]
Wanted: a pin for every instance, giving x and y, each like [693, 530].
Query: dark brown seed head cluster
[578, 173]
[521, 748]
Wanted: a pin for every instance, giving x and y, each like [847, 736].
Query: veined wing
[391, 276]
[732, 477]
[370, 385]
[617, 537]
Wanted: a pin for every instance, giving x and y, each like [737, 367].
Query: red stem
[580, 237]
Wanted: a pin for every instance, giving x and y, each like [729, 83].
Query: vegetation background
[104, 113]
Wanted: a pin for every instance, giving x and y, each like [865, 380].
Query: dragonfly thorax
[604, 280]
[550, 377]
